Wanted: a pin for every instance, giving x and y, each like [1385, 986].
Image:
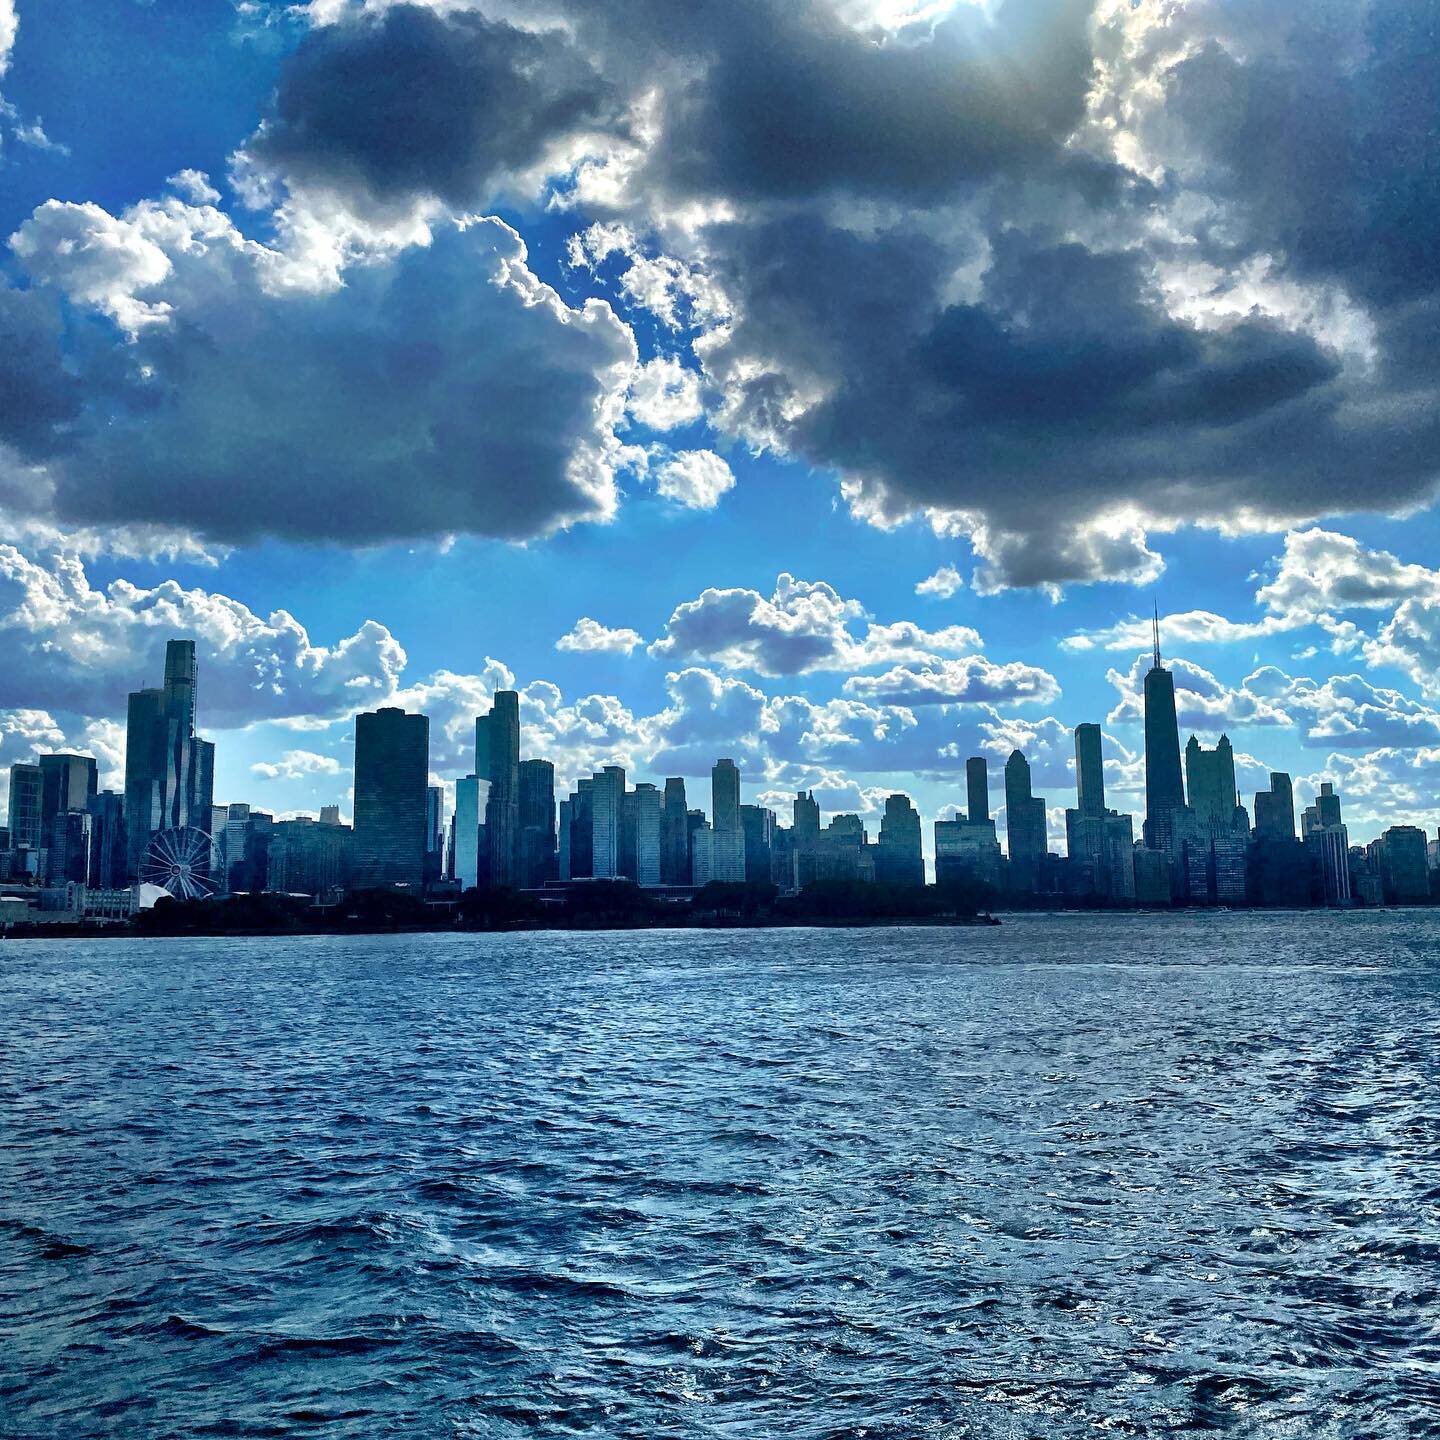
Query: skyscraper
[725, 796]
[1025, 825]
[607, 787]
[68, 782]
[758, 825]
[392, 771]
[674, 835]
[537, 823]
[434, 833]
[1275, 809]
[977, 789]
[27, 791]
[502, 808]
[469, 797]
[1089, 770]
[1164, 789]
[108, 850]
[1328, 842]
[900, 861]
[645, 818]
[1217, 829]
[169, 770]
[728, 844]
[1098, 841]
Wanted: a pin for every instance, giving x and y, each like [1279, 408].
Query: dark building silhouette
[1326, 840]
[1398, 858]
[69, 858]
[537, 823]
[392, 770]
[757, 824]
[674, 835]
[309, 857]
[1164, 788]
[1275, 809]
[977, 789]
[1026, 832]
[900, 859]
[500, 764]
[169, 770]
[27, 796]
[68, 782]
[109, 855]
[434, 833]
[1089, 770]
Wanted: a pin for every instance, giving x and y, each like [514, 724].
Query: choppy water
[1012, 1183]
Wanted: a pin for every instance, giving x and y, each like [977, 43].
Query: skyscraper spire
[1157, 635]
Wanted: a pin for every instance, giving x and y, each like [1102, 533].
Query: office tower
[309, 857]
[537, 823]
[1026, 831]
[497, 758]
[674, 835]
[729, 842]
[1164, 789]
[1100, 843]
[900, 861]
[977, 788]
[757, 825]
[434, 833]
[725, 796]
[27, 789]
[1328, 844]
[782, 859]
[966, 852]
[169, 770]
[1210, 780]
[466, 863]
[607, 786]
[804, 835]
[1275, 809]
[1398, 857]
[582, 830]
[645, 822]
[392, 772]
[68, 782]
[626, 864]
[329, 814]
[695, 821]
[565, 823]
[109, 853]
[68, 862]
[718, 855]
[1089, 770]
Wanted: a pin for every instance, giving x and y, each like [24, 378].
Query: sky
[835, 385]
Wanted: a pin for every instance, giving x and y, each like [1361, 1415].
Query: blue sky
[440, 328]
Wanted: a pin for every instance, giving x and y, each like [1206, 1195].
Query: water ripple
[1078, 1175]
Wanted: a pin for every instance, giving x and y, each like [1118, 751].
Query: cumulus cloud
[694, 478]
[803, 626]
[665, 394]
[971, 681]
[445, 391]
[296, 765]
[588, 635]
[944, 583]
[74, 648]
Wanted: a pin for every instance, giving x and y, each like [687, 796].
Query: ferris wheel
[178, 860]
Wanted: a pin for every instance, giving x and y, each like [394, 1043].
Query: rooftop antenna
[1157, 635]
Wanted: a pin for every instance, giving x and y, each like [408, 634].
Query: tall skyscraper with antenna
[1164, 787]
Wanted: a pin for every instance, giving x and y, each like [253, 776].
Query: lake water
[1075, 1175]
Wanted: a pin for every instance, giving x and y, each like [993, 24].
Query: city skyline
[859, 517]
[508, 829]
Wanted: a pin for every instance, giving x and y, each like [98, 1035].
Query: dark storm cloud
[408, 103]
[37, 393]
[434, 395]
[1327, 148]
[785, 100]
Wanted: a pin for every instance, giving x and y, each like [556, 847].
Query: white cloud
[194, 186]
[803, 626]
[971, 681]
[79, 649]
[943, 583]
[694, 478]
[1321, 572]
[296, 765]
[665, 394]
[588, 635]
